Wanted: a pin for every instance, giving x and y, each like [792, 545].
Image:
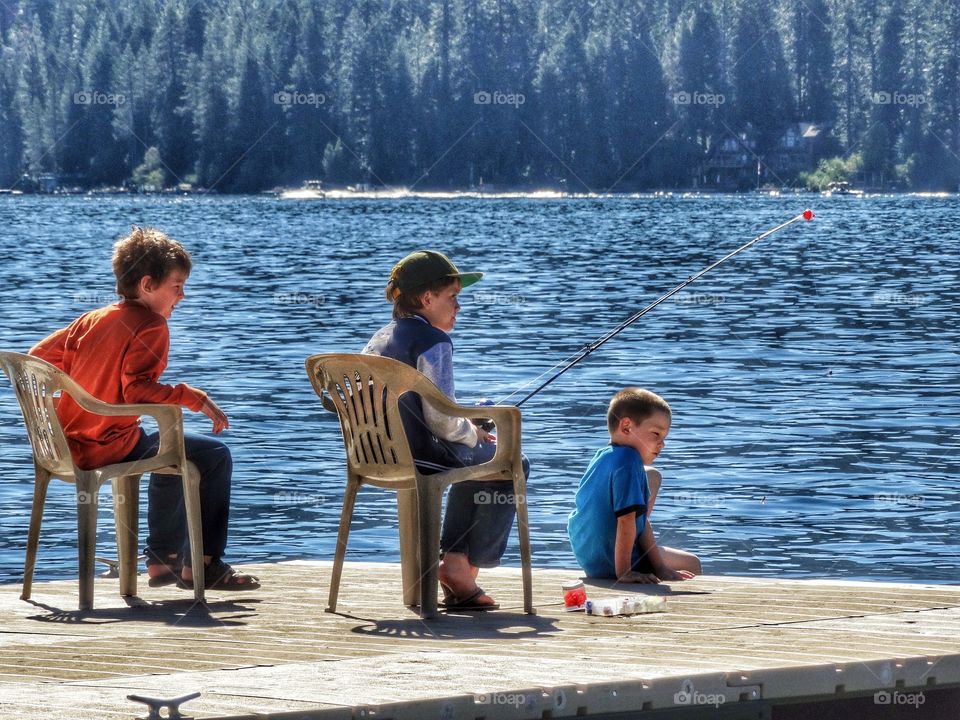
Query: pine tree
[108, 162]
[639, 117]
[214, 165]
[172, 120]
[761, 85]
[11, 130]
[251, 130]
[701, 97]
[938, 164]
[880, 145]
[814, 62]
[561, 83]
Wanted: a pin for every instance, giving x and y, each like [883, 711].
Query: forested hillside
[241, 95]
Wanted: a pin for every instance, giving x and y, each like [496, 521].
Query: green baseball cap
[426, 266]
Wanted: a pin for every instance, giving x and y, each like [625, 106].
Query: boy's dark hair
[407, 304]
[634, 403]
[146, 252]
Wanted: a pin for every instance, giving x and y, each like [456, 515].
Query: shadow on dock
[459, 626]
[180, 613]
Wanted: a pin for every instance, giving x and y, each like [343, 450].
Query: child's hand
[219, 418]
[638, 577]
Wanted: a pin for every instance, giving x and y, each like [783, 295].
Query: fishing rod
[805, 215]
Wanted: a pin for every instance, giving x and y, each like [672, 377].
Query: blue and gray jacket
[417, 343]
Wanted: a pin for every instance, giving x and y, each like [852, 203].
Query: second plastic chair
[365, 391]
[37, 384]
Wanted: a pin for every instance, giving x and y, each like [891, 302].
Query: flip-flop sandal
[220, 576]
[468, 603]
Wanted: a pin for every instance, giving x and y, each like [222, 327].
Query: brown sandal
[217, 575]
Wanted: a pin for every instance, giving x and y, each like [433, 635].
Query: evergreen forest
[582, 95]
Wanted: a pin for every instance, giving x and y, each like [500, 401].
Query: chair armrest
[441, 403]
[155, 410]
[505, 417]
[169, 418]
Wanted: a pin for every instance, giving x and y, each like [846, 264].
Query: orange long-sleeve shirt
[117, 354]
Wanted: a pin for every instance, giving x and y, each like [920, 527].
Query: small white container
[627, 605]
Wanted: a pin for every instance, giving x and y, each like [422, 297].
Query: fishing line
[565, 365]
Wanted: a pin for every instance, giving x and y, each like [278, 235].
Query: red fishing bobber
[808, 214]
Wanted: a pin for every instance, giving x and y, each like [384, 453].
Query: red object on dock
[574, 594]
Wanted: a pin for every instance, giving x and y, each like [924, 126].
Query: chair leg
[41, 483]
[126, 516]
[87, 496]
[409, 526]
[191, 499]
[523, 530]
[346, 517]
[429, 501]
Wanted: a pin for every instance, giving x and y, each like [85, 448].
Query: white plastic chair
[365, 390]
[37, 384]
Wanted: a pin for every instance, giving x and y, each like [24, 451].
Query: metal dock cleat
[113, 566]
[157, 704]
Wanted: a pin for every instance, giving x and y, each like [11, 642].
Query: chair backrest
[36, 384]
[366, 390]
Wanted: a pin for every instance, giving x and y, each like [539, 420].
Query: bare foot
[458, 579]
[156, 569]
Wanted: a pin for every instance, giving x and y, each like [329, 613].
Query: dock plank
[274, 651]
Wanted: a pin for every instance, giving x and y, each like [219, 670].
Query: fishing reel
[485, 424]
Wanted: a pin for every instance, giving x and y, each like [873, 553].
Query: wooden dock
[728, 647]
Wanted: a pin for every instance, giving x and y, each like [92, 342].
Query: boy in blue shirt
[610, 528]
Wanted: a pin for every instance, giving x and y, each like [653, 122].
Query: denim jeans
[166, 513]
[479, 514]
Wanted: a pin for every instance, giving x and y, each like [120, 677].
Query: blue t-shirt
[614, 484]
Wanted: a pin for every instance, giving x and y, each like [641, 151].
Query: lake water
[814, 378]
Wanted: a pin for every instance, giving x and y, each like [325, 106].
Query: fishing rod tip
[808, 214]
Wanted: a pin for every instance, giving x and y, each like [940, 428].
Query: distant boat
[841, 188]
[310, 190]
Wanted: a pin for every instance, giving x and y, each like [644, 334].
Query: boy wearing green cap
[424, 289]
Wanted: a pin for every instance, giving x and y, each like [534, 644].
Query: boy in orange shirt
[117, 354]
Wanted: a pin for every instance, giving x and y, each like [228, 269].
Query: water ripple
[814, 378]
